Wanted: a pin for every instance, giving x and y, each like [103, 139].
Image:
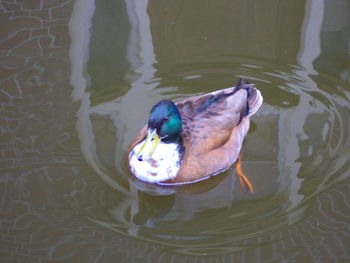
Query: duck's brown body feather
[213, 133]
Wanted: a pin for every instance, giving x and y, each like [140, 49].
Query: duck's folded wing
[208, 121]
[213, 135]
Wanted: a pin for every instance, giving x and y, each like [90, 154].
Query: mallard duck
[191, 140]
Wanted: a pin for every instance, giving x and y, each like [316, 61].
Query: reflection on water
[295, 151]
[66, 193]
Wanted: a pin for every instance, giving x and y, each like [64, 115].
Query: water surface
[75, 98]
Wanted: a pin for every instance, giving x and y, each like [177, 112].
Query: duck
[194, 139]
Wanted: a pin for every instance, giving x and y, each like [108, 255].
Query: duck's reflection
[153, 209]
[155, 204]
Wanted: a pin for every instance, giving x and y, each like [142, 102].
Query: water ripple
[305, 130]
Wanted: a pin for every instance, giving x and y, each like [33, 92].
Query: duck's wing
[214, 126]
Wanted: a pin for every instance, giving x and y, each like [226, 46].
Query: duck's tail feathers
[254, 98]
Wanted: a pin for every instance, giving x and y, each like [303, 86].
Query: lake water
[78, 80]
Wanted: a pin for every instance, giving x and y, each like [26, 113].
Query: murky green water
[66, 192]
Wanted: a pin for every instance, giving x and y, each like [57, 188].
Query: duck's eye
[166, 119]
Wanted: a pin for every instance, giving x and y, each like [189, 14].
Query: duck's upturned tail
[254, 98]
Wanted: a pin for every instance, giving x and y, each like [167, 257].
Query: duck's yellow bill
[150, 144]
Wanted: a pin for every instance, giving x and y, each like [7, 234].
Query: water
[79, 99]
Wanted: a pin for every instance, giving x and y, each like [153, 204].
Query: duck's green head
[166, 120]
[164, 125]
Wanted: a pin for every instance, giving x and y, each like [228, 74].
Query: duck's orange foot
[246, 184]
